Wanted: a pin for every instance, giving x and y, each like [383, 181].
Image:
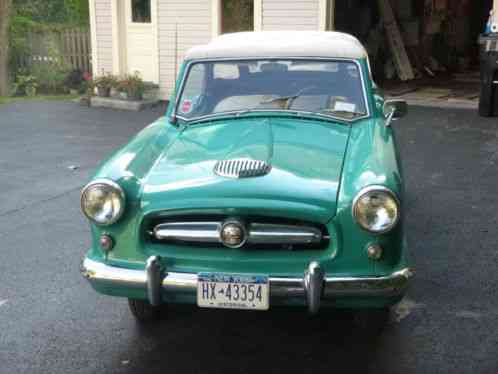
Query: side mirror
[394, 110]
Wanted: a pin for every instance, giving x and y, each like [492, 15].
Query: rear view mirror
[395, 109]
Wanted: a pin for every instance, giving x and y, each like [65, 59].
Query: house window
[237, 15]
[140, 11]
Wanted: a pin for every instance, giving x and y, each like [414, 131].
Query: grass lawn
[8, 99]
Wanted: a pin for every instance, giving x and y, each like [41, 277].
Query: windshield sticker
[342, 106]
[186, 106]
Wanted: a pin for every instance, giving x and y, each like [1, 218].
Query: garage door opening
[439, 40]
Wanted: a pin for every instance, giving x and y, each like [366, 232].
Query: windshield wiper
[343, 113]
[245, 111]
[215, 116]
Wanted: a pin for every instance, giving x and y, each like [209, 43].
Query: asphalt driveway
[52, 322]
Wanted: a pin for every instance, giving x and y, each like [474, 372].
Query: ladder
[396, 45]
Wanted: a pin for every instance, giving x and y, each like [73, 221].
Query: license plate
[231, 291]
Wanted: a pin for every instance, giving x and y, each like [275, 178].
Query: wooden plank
[57, 37]
[396, 45]
[69, 51]
[77, 43]
[74, 48]
[81, 50]
[79, 56]
[86, 62]
[89, 51]
[64, 44]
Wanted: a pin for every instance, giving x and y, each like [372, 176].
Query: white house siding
[192, 19]
[290, 15]
[103, 24]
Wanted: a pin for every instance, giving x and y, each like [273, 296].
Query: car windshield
[332, 88]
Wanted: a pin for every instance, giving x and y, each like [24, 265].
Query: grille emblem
[241, 168]
[233, 233]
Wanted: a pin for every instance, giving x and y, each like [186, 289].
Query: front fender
[371, 159]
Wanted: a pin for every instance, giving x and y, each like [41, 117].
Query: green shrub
[25, 85]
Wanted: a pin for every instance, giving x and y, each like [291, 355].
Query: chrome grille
[258, 234]
[242, 168]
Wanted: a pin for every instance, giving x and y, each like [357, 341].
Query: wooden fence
[73, 45]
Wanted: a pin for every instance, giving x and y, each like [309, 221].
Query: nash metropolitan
[273, 179]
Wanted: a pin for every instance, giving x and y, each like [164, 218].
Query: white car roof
[280, 44]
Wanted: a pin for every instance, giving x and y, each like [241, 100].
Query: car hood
[306, 158]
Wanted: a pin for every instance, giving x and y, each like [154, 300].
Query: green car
[273, 179]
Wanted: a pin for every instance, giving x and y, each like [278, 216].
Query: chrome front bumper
[313, 286]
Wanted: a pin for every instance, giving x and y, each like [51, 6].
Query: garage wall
[102, 10]
[192, 18]
[290, 15]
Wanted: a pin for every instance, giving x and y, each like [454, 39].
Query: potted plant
[131, 87]
[104, 83]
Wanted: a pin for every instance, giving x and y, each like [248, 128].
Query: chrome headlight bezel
[373, 189]
[108, 184]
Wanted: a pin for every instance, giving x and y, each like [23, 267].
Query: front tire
[486, 102]
[143, 311]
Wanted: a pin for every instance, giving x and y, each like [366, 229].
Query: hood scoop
[241, 168]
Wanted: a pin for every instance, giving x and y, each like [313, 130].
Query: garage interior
[424, 49]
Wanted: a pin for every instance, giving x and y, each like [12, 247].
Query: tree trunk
[4, 46]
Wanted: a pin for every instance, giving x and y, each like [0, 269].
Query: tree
[4, 46]
[53, 11]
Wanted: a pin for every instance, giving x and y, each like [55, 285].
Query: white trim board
[116, 42]
[258, 15]
[155, 38]
[322, 15]
[495, 10]
[93, 34]
[215, 18]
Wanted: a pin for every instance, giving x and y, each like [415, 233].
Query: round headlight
[102, 201]
[376, 209]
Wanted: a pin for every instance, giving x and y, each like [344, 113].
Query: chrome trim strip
[260, 233]
[367, 103]
[201, 232]
[257, 233]
[99, 274]
[103, 274]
